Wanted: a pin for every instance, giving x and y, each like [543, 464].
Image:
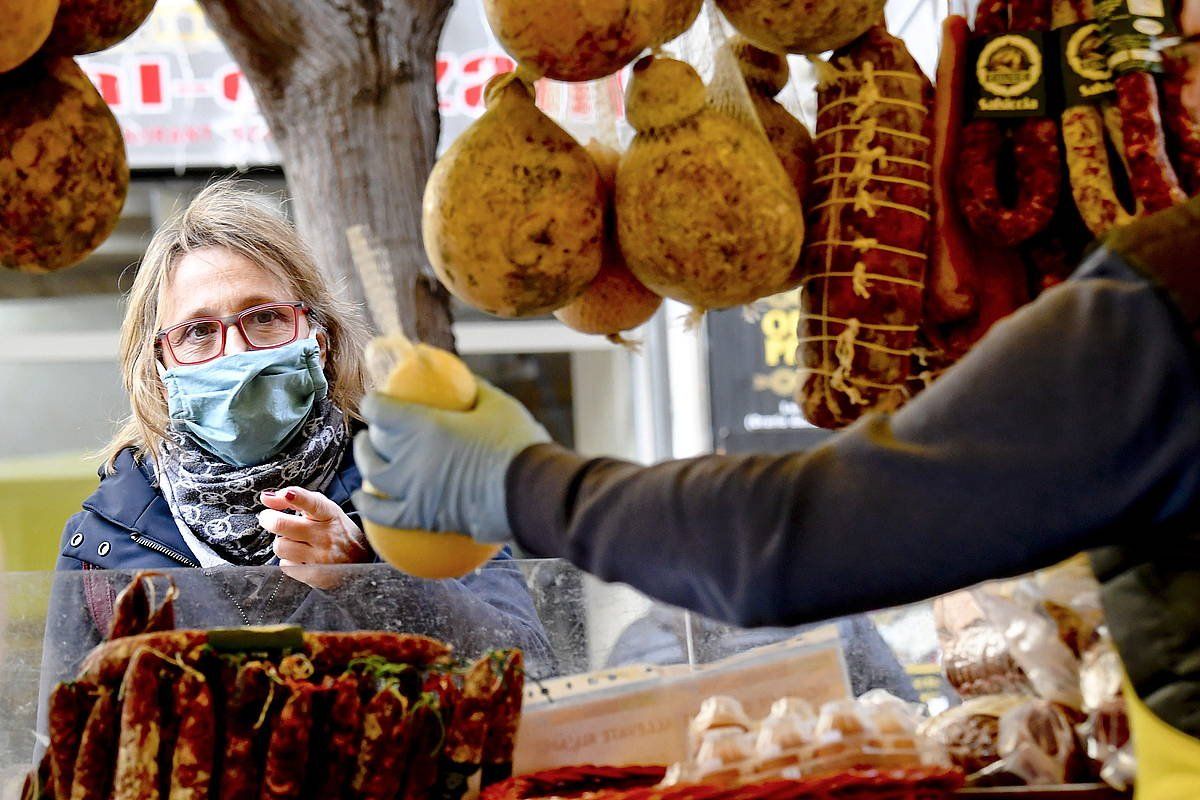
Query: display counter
[577, 634]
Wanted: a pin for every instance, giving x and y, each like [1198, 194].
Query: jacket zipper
[163, 550]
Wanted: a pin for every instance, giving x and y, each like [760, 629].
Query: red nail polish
[289, 495]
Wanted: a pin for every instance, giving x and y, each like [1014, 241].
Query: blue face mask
[245, 408]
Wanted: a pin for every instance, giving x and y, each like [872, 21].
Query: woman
[244, 372]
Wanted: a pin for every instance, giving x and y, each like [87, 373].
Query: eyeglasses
[262, 327]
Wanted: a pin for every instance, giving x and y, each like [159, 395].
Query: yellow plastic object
[1168, 760]
[432, 377]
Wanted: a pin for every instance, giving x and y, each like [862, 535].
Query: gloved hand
[442, 470]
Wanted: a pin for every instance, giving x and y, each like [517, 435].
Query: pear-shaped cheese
[513, 214]
[88, 26]
[615, 301]
[582, 40]
[705, 212]
[63, 175]
[802, 26]
[25, 26]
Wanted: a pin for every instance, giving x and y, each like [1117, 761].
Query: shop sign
[183, 102]
[752, 378]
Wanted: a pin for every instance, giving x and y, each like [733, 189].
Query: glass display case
[582, 638]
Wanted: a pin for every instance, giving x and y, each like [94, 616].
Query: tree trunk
[349, 90]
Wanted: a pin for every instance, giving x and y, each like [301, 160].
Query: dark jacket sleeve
[1074, 423]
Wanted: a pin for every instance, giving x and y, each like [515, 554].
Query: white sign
[183, 102]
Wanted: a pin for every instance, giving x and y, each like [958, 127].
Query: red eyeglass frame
[233, 320]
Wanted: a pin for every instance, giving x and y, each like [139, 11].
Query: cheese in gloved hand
[433, 377]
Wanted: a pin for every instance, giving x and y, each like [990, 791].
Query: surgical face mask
[246, 407]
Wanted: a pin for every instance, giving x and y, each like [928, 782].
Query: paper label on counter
[642, 726]
[646, 722]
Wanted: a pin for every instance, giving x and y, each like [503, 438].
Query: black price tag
[1137, 31]
[1083, 56]
[1008, 75]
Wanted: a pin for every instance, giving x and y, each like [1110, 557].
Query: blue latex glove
[442, 470]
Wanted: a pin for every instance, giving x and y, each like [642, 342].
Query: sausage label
[1137, 31]
[1086, 78]
[1009, 76]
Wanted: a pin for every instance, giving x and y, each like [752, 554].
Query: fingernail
[268, 492]
[289, 495]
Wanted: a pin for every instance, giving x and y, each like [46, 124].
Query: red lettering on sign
[479, 71]
[150, 79]
[108, 84]
[231, 86]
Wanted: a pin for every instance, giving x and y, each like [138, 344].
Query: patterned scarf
[219, 503]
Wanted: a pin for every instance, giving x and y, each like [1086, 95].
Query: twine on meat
[853, 188]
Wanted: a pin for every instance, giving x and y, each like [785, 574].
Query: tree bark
[349, 90]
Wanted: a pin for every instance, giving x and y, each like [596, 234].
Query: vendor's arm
[1074, 423]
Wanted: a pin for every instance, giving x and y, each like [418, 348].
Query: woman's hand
[320, 533]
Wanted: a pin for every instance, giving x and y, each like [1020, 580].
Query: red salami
[333, 652]
[107, 664]
[195, 746]
[426, 732]
[869, 232]
[248, 703]
[131, 609]
[1182, 121]
[345, 733]
[1151, 175]
[70, 705]
[95, 763]
[137, 757]
[287, 753]
[507, 692]
[1035, 150]
[380, 770]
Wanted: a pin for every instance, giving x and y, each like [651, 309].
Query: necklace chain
[263, 615]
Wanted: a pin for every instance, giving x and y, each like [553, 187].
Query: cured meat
[96, 760]
[137, 758]
[195, 746]
[70, 705]
[865, 261]
[345, 726]
[287, 754]
[247, 706]
[106, 665]
[1182, 120]
[1083, 133]
[507, 692]
[953, 281]
[427, 730]
[333, 652]
[380, 774]
[1152, 178]
[131, 610]
[462, 753]
[1035, 149]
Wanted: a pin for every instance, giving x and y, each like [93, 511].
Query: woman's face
[215, 282]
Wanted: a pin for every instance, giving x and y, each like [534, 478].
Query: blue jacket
[126, 525]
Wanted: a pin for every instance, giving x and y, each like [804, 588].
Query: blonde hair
[231, 216]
